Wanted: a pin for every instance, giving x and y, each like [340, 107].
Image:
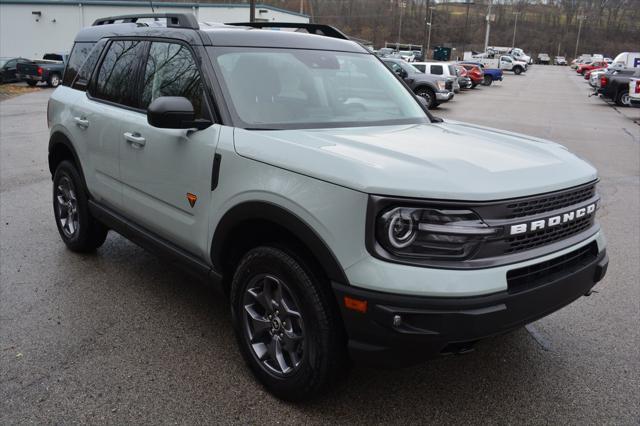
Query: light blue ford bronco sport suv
[299, 174]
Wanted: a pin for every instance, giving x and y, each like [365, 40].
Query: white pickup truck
[503, 62]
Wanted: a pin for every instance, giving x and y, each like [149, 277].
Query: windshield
[292, 88]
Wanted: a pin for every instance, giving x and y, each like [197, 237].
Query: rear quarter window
[118, 71]
[436, 69]
[79, 54]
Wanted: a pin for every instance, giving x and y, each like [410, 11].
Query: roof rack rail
[174, 20]
[318, 29]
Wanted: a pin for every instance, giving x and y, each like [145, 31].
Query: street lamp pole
[515, 26]
[580, 19]
[486, 35]
[426, 54]
[401, 4]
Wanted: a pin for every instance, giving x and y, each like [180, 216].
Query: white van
[626, 60]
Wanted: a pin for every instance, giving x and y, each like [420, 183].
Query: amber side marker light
[355, 304]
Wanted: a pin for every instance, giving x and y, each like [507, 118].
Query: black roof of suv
[184, 27]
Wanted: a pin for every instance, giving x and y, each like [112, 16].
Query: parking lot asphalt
[119, 337]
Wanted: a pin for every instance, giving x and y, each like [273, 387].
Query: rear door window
[172, 71]
[79, 54]
[436, 69]
[116, 79]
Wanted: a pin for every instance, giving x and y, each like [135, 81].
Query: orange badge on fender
[192, 199]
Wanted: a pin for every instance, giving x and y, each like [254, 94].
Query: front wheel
[487, 80]
[428, 95]
[286, 324]
[78, 229]
[517, 70]
[623, 98]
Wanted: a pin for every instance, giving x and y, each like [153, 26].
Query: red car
[474, 73]
[583, 68]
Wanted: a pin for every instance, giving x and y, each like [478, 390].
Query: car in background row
[433, 88]
[475, 73]
[614, 85]
[407, 55]
[543, 59]
[49, 69]
[587, 75]
[588, 66]
[595, 75]
[560, 60]
[8, 69]
[463, 77]
[445, 69]
[490, 74]
[634, 92]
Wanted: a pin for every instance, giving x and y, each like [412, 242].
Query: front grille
[549, 235]
[544, 272]
[546, 203]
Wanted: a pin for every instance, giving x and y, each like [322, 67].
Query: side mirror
[401, 73]
[174, 112]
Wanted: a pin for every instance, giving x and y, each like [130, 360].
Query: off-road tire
[89, 234]
[324, 357]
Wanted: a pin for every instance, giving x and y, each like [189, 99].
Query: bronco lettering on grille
[536, 225]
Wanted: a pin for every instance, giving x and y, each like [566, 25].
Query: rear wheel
[54, 80]
[286, 324]
[428, 95]
[487, 80]
[623, 98]
[78, 229]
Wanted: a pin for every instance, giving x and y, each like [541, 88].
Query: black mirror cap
[171, 112]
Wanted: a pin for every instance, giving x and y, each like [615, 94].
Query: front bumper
[444, 96]
[399, 330]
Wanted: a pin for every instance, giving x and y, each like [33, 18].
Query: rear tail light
[39, 71]
[603, 81]
[637, 89]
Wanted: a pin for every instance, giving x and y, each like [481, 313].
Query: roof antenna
[151, 3]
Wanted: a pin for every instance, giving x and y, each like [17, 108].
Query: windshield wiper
[262, 128]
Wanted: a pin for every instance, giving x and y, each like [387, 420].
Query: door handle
[83, 123]
[135, 139]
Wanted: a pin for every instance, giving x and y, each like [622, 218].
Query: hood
[447, 160]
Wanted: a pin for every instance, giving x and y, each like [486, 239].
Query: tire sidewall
[431, 100]
[487, 80]
[67, 169]
[54, 78]
[300, 283]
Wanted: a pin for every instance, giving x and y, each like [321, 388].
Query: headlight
[441, 85]
[431, 233]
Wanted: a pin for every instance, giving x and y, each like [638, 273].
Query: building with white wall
[30, 28]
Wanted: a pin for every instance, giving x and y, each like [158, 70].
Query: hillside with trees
[551, 26]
